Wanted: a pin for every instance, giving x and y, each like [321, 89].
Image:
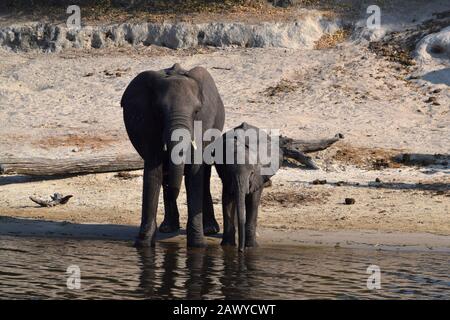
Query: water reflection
[35, 269]
[208, 273]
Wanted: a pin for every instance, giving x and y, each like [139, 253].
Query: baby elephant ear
[243, 126]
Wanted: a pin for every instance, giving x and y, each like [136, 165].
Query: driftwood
[56, 199]
[98, 164]
[296, 149]
[308, 146]
[55, 167]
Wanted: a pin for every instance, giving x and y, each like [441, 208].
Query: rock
[430, 100]
[378, 180]
[349, 201]
[431, 53]
[98, 40]
[318, 181]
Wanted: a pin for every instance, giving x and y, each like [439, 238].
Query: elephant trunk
[175, 177]
[241, 190]
[177, 148]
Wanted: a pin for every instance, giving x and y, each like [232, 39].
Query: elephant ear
[279, 154]
[139, 95]
[245, 126]
[256, 181]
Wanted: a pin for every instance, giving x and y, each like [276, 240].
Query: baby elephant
[244, 180]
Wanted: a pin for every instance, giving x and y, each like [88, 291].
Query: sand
[61, 104]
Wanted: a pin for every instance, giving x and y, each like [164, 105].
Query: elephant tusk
[194, 145]
[165, 147]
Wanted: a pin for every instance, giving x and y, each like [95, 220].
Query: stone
[349, 201]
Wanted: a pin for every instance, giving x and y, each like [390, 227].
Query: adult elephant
[155, 104]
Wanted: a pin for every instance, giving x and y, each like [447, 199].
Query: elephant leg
[194, 180]
[229, 215]
[150, 197]
[171, 222]
[252, 201]
[210, 225]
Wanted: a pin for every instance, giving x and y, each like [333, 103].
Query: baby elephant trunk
[241, 190]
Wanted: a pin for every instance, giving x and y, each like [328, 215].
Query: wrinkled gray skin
[156, 103]
[241, 192]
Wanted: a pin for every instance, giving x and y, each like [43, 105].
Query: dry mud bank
[63, 103]
[300, 33]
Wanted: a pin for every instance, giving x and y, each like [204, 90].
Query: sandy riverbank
[365, 239]
[291, 207]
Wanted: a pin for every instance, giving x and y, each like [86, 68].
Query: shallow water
[35, 268]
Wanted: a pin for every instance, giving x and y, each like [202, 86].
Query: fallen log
[296, 149]
[113, 163]
[58, 167]
[308, 146]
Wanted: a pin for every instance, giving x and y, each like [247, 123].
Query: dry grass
[80, 142]
[105, 12]
[331, 40]
[367, 158]
[133, 51]
[399, 46]
[282, 87]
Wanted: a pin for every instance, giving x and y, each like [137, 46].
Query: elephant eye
[197, 108]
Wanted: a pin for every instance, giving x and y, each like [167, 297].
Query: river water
[36, 268]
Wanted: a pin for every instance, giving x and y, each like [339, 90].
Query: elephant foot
[143, 243]
[251, 244]
[228, 243]
[210, 228]
[168, 227]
